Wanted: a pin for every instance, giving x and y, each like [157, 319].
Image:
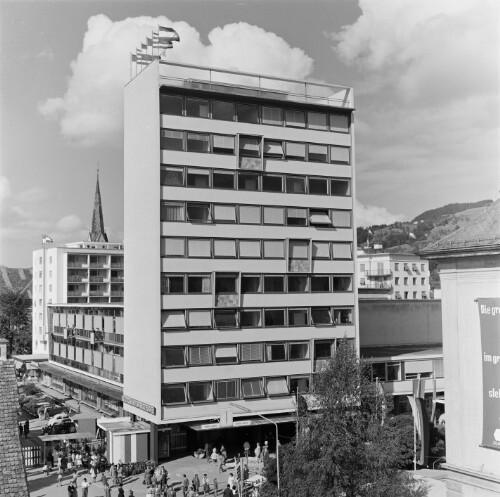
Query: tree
[346, 448]
[15, 320]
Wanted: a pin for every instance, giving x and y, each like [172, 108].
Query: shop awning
[122, 426]
[239, 423]
[102, 387]
[66, 436]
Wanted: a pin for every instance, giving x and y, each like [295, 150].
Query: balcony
[77, 279]
[374, 273]
[96, 279]
[117, 265]
[299, 266]
[226, 300]
[117, 279]
[382, 286]
[116, 294]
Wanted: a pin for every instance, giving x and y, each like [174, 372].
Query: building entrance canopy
[203, 426]
[66, 436]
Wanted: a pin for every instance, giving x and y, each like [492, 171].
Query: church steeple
[97, 233]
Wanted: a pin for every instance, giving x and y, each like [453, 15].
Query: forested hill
[435, 215]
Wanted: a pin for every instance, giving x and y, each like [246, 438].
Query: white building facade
[239, 231]
[392, 276]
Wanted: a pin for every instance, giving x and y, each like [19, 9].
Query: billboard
[489, 322]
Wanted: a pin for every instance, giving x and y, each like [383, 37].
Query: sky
[425, 76]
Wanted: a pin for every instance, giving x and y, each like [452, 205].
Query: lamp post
[245, 409]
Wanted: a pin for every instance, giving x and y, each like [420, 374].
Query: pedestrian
[147, 477]
[265, 453]
[46, 469]
[93, 472]
[114, 474]
[163, 477]
[26, 428]
[196, 483]
[223, 452]
[59, 477]
[206, 485]
[235, 491]
[231, 481]
[227, 491]
[185, 486]
[85, 487]
[216, 487]
[246, 472]
[131, 493]
[192, 492]
[107, 490]
[246, 448]
[258, 451]
[207, 452]
[220, 458]
[50, 460]
[154, 480]
[119, 472]
[70, 489]
[120, 492]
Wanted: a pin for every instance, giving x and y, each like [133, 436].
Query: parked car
[60, 423]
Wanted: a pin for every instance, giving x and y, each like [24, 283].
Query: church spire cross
[97, 233]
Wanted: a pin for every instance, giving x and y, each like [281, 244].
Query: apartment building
[239, 233]
[89, 272]
[392, 276]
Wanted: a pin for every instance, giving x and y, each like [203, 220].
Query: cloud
[35, 194]
[70, 223]
[427, 119]
[91, 110]
[46, 54]
[368, 215]
[4, 189]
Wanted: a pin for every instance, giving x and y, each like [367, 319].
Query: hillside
[426, 228]
[16, 279]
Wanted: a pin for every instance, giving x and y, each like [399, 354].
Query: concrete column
[153, 442]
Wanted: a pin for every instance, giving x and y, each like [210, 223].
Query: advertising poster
[489, 320]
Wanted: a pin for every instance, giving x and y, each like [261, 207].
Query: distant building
[88, 272]
[469, 268]
[392, 276]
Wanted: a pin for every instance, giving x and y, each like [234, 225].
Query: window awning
[320, 219]
[237, 423]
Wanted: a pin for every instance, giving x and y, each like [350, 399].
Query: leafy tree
[15, 320]
[347, 448]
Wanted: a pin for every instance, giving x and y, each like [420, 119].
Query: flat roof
[123, 427]
[31, 357]
[402, 352]
[66, 436]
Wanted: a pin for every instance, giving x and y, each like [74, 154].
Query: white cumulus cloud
[91, 110]
[368, 215]
[69, 223]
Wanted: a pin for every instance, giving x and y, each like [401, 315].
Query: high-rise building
[392, 276]
[239, 232]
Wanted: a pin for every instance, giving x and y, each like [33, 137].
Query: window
[414, 281]
[172, 140]
[274, 284]
[199, 247]
[201, 391]
[319, 217]
[422, 267]
[396, 280]
[296, 217]
[378, 371]
[223, 144]
[277, 386]
[273, 148]
[173, 394]
[197, 142]
[318, 186]
[298, 284]
[250, 318]
[340, 155]
[393, 371]
[341, 219]
[298, 350]
[318, 153]
[274, 215]
[172, 176]
[250, 249]
[173, 247]
[171, 105]
[321, 316]
[298, 249]
[250, 214]
[323, 349]
[251, 352]
[274, 249]
[339, 123]
[249, 146]
[341, 187]
[222, 110]
[173, 319]
[198, 178]
[272, 115]
[226, 354]
[172, 284]
[201, 318]
[225, 283]
[295, 184]
[248, 113]
[196, 107]
[321, 250]
[295, 151]
[225, 318]
[223, 179]
[295, 118]
[252, 387]
[272, 183]
[248, 181]
[250, 283]
[299, 384]
[396, 266]
[224, 213]
[274, 317]
[405, 281]
[320, 283]
[224, 247]
[406, 295]
[226, 389]
[315, 120]
[276, 351]
[172, 357]
[422, 281]
[200, 355]
[198, 213]
[172, 212]
[198, 284]
[297, 317]
[343, 316]
[342, 284]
